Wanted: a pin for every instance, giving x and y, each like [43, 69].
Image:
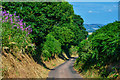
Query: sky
[92, 0]
[96, 12]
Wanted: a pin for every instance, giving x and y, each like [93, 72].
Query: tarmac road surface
[64, 71]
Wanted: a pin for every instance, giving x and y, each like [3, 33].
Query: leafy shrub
[14, 32]
[74, 50]
[44, 18]
[63, 34]
[101, 48]
[51, 47]
[42, 15]
[65, 37]
[106, 42]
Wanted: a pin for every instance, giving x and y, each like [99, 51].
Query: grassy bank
[99, 55]
[23, 66]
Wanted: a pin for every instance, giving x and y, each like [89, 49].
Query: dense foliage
[15, 33]
[51, 47]
[49, 18]
[102, 48]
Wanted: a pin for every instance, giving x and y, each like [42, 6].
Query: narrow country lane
[65, 70]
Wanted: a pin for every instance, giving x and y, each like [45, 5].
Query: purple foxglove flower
[14, 25]
[10, 15]
[11, 19]
[29, 26]
[3, 21]
[17, 27]
[1, 11]
[21, 24]
[18, 16]
[0, 19]
[6, 17]
[19, 19]
[21, 27]
[24, 24]
[25, 28]
[28, 33]
[30, 30]
[14, 13]
[11, 22]
[6, 14]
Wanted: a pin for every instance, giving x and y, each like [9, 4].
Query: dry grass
[23, 66]
[94, 73]
[90, 73]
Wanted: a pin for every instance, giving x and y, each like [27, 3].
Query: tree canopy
[56, 18]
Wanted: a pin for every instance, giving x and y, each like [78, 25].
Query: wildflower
[14, 13]
[21, 20]
[10, 15]
[24, 24]
[11, 22]
[3, 21]
[18, 16]
[21, 27]
[29, 26]
[17, 27]
[21, 24]
[11, 19]
[25, 28]
[0, 19]
[6, 14]
[6, 17]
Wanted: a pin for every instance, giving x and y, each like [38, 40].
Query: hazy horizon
[96, 12]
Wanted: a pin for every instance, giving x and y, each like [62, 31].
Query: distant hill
[92, 27]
